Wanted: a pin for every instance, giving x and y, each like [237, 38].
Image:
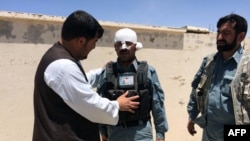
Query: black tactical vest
[138, 84]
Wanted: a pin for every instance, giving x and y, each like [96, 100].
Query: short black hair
[239, 21]
[81, 24]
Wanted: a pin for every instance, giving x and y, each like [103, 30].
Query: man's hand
[128, 103]
[191, 128]
[104, 138]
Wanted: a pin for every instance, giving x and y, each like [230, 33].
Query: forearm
[192, 108]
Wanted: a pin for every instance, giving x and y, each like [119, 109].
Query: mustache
[123, 50]
[223, 41]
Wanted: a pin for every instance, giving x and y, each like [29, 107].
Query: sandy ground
[175, 70]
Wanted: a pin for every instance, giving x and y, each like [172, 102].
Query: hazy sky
[169, 13]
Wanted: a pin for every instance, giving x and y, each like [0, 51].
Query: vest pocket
[145, 104]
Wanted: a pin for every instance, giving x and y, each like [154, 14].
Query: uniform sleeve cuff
[160, 135]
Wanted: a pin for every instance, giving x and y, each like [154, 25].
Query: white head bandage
[129, 35]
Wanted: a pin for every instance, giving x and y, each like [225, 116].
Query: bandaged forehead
[127, 35]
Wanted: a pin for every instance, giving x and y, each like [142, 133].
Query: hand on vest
[128, 103]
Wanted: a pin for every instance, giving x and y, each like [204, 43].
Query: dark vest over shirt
[54, 119]
[141, 86]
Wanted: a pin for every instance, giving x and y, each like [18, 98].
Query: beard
[126, 56]
[227, 46]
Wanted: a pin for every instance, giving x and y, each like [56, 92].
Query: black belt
[126, 124]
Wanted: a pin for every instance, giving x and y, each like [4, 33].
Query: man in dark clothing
[65, 106]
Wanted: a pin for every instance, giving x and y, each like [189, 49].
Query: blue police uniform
[142, 129]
